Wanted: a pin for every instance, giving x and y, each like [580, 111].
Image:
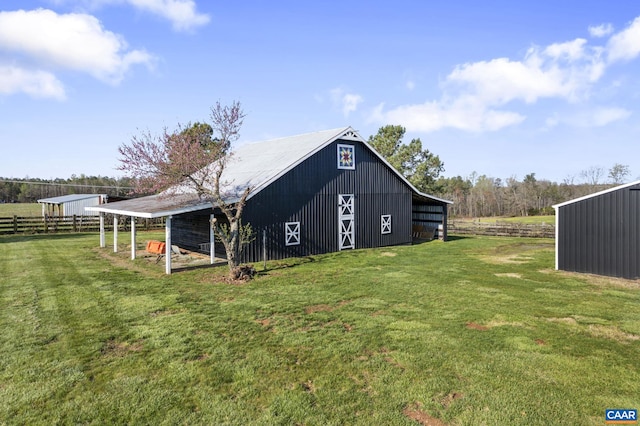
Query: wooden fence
[53, 224]
[501, 229]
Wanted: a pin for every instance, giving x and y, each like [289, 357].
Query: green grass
[20, 209]
[472, 331]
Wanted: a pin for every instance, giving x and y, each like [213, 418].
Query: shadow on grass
[175, 269]
[274, 265]
[19, 238]
[458, 237]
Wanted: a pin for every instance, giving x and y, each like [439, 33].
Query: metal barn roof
[69, 198]
[254, 165]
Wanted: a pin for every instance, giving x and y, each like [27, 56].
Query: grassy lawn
[20, 209]
[472, 331]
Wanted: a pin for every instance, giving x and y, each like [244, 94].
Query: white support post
[115, 233]
[212, 239]
[133, 238]
[167, 238]
[103, 243]
[557, 211]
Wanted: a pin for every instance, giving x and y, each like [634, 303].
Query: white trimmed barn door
[346, 234]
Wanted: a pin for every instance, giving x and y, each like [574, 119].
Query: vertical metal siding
[309, 194]
[71, 208]
[601, 235]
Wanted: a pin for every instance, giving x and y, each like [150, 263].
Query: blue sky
[501, 88]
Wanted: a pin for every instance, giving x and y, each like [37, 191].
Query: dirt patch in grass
[509, 275]
[120, 349]
[598, 330]
[476, 326]
[415, 413]
[500, 323]
[614, 282]
[318, 308]
[324, 307]
[599, 280]
[540, 342]
[448, 399]
[308, 386]
[393, 362]
[123, 261]
[513, 253]
[567, 320]
[265, 322]
[611, 332]
[388, 254]
[515, 259]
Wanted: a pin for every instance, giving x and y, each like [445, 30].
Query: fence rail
[53, 224]
[505, 229]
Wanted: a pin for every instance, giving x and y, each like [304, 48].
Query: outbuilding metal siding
[70, 205]
[600, 234]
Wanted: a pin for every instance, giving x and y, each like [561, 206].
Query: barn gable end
[309, 195]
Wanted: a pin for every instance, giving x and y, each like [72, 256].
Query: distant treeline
[483, 196]
[29, 190]
[474, 196]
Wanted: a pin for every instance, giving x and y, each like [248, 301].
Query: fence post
[46, 223]
[264, 249]
[15, 224]
[75, 227]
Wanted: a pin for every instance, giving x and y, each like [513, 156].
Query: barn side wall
[601, 235]
[309, 194]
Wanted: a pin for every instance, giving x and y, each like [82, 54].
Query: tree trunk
[233, 247]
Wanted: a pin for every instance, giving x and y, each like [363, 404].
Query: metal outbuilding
[600, 233]
[70, 205]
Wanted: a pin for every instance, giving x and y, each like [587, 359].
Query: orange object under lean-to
[157, 247]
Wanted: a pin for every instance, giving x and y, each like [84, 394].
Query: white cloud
[39, 84]
[625, 45]
[563, 70]
[475, 95]
[598, 117]
[182, 14]
[601, 30]
[347, 102]
[464, 114]
[604, 116]
[69, 41]
[594, 117]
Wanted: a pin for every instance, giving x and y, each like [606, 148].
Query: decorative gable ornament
[346, 157]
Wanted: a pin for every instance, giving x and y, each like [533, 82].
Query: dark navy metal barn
[310, 194]
[316, 205]
[600, 233]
